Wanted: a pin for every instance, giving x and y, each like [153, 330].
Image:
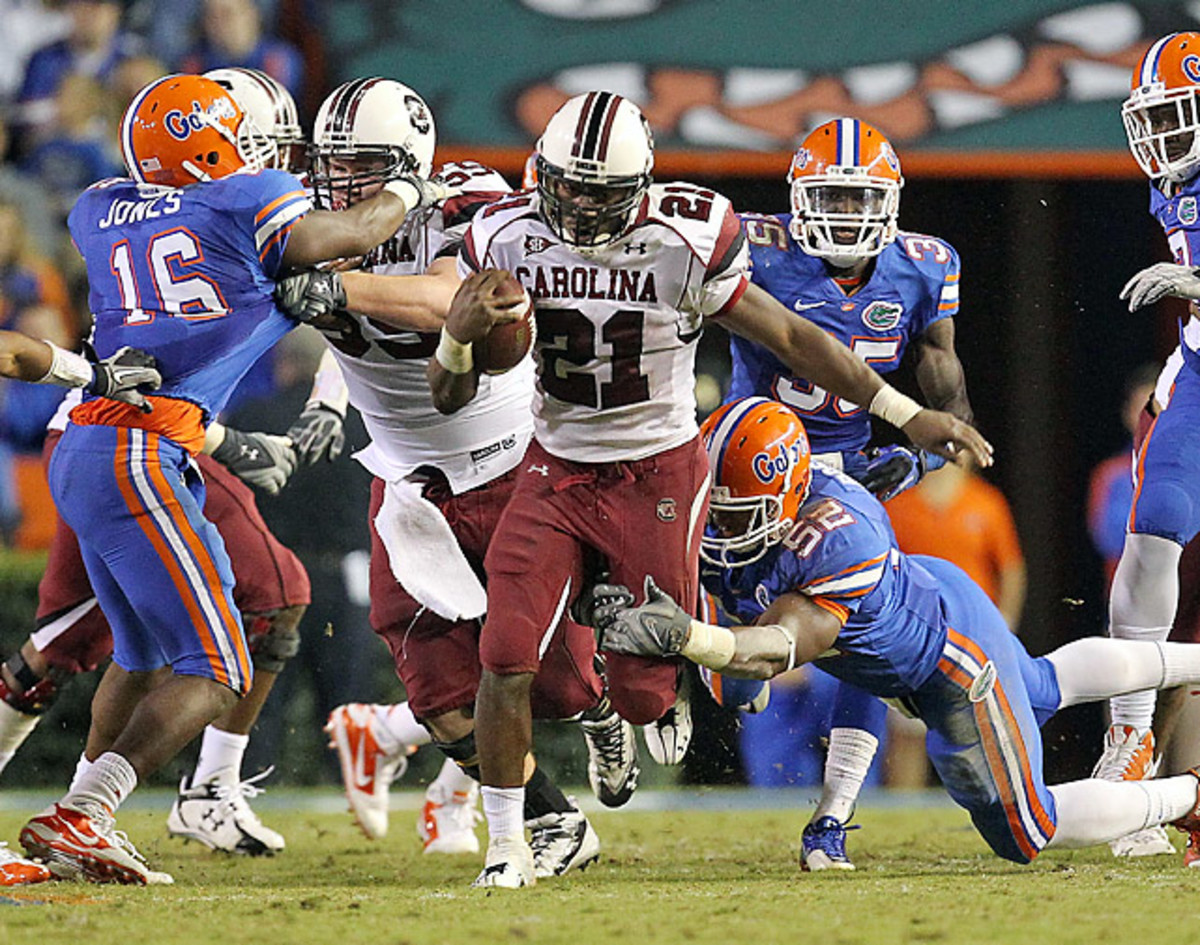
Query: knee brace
[33, 694]
[273, 638]
[463, 753]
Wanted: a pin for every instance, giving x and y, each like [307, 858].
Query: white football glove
[1161, 279]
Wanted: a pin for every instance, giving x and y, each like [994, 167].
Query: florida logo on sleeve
[1187, 211]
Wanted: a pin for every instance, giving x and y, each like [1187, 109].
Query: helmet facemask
[585, 209]
[1162, 126]
[741, 530]
[257, 148]
[342, 176]
[844, 218]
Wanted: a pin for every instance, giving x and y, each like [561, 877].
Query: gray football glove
[263, 460]
[417, 192]
[1159, 280]
[659, 627]
[308, 295]
[318, 433]
[125, 375]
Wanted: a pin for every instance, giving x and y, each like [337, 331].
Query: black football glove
[318, 433]
[309, 295]
[260, 459]
[892, 469]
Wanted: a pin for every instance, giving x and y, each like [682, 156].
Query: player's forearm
[23, 358]
[760, 652]
[418, 303]
[451, 391]
[942, 380]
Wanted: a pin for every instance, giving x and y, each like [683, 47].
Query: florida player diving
[840, 261]
[181, 259]
[814, 575]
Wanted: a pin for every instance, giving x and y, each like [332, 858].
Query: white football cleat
[668, 738]
[18, 871]
[509, 865]
[447, 824]
[612, 759]
[216, 813]
[1129, 756]
[368, 770]
[86, 845]
[562, 842]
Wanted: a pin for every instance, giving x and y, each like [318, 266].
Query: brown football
[505, 346]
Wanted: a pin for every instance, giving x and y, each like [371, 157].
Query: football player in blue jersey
[1162, 121]
[840, 261]
[812, 574]
[182, 259]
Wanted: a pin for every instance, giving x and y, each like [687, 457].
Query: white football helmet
[593, 167]
[368, 132]
[272, 108]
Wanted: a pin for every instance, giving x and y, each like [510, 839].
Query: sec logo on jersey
[882, 316]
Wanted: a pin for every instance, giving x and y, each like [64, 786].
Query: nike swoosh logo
[800, 306]
[363, 780]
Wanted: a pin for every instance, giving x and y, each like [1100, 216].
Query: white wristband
[710, 645]
[453, 355]
[894, 407]
[67, 368]
[407, 191]
[790, 638]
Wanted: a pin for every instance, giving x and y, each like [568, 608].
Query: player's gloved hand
[659, 627]
[125, 375]
[263, 460]
[309, 295]
[318, 433]
[599, 604]
[1159, 280]
[418, 192]
[892, 469]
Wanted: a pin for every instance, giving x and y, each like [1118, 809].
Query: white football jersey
[384, 367]
[617, 328]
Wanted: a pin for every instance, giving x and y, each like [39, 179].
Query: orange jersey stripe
[141, 516]
[275, 204]
[202, 558]
[991, 749]
[1140, 478]
[175, 419]
[838, 610]
[861, 566]
[279, 234]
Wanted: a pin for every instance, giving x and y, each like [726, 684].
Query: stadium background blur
[1006, 118]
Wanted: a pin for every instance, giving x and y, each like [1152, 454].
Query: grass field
[688, 876]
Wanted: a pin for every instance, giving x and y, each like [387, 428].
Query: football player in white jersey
[440, 485]
[623, 274]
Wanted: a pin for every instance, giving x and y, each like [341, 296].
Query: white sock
[504, 809]
[1095, 668]
[851, 751]
[220, 749]
[1094, 811]
[401, 727]
[15, 727]
[1142, 603]
[108, 781]
[451, 781]
[82, 767]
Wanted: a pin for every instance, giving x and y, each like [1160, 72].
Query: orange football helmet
[759, 460]
[182, 129]
[1162, 113]
[845, 181]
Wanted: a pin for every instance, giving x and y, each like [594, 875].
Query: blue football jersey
[914, 283]
[187, 274]
[843, 555]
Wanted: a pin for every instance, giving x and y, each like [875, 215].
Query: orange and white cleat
[1129, 756]
[368, 769]
[87, 846]
[448, 820]
[1189, 823]
[18, 871]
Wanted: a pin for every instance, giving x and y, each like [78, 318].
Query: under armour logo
[544, 470]
[639, 248]
[250, 453]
